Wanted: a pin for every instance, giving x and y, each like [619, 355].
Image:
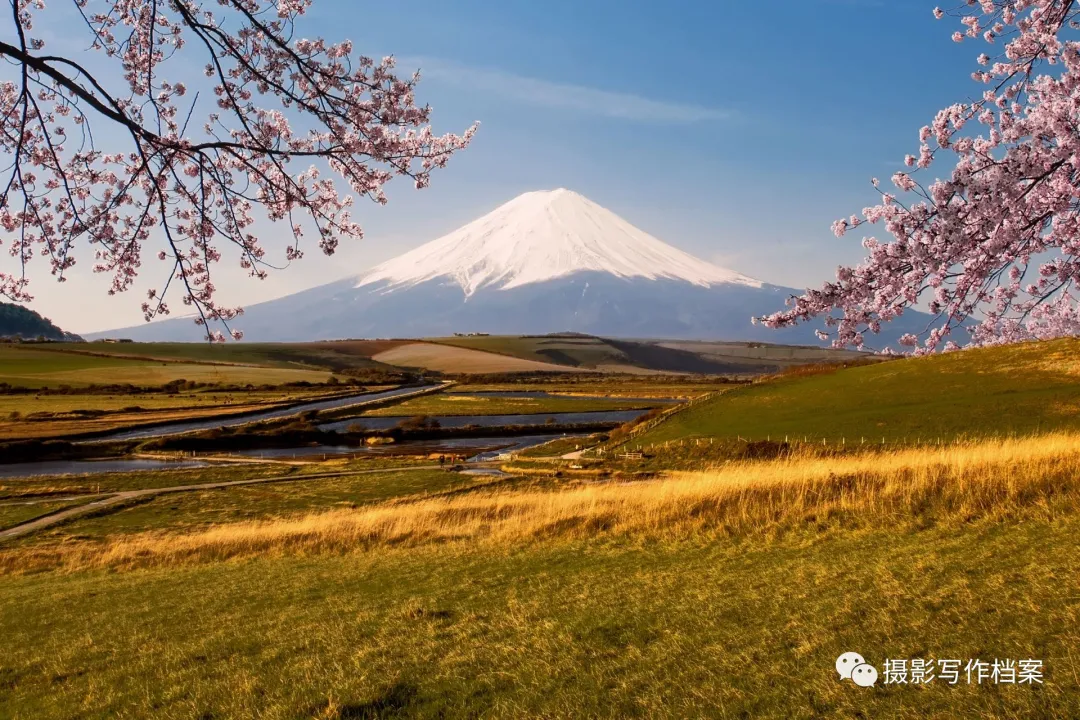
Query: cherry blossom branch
[996, 245]
[197, 187]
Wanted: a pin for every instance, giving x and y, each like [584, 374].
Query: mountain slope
[541, 236]
[543, 262]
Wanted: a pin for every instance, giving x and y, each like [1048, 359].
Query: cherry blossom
[993, 250]
[272, 130]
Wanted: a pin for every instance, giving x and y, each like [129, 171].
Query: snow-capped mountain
[544, 262]
[542, 236]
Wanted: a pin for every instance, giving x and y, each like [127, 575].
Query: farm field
[186, 399]
[1015, 389]
[58, 416]
[611, 386]
[650, 356]
[448, 359]
[337, 356]
[709, 593]
[194, 511]
[59, 486]
[34, 366]
[127, 388]
[572, 351]
[561, 446]
[465, 404]
[275, 363]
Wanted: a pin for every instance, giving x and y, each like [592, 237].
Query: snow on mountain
[541, 236]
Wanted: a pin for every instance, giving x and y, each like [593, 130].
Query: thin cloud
[565, 96]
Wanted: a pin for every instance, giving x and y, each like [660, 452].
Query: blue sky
[733, 132]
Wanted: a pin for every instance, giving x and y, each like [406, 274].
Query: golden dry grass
[957, 484]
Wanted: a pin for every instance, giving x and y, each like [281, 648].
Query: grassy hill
[1015, 389]
[19, 321]
[596, 353]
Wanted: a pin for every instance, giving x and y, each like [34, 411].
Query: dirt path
[126, 495]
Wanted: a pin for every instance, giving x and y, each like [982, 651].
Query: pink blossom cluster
[193, 183]
[993, 249]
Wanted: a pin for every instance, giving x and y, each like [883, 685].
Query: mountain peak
[543, 235]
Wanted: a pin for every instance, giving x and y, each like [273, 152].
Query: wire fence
[810, 441]
[648, 425]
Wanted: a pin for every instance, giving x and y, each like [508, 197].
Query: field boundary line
[644, 427]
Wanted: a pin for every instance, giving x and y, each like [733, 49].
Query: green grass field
[78, 365]
[588, 629]
[710, 619]
[16, 513]
[61, 416]
[340, 356]
[988, 392]
[71, 364]
[727, 593]
[59, 404]
[192, 511]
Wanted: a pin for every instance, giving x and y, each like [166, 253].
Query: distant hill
[18, 321]
[588, 352]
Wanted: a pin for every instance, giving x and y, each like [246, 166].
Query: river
[93, 467]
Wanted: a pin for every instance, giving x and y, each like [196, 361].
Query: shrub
[419, 422]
